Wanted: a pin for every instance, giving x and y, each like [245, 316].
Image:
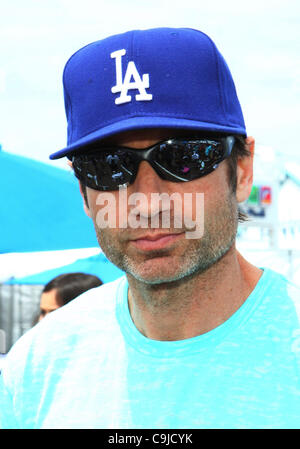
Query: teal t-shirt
[87, 366]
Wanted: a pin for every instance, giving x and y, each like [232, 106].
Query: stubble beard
[199, 254]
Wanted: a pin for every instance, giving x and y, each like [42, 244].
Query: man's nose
[146, 190]
[147, 180]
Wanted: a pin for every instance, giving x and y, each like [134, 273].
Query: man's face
[158, 255]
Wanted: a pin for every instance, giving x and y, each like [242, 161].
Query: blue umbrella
[41, 208]
[97, 265]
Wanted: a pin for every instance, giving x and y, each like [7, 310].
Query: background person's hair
[70, 285]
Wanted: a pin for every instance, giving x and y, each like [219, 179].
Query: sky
[260, 41]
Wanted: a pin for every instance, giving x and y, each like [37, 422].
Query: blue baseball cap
[156, 78]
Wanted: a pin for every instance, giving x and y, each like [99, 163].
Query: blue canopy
[41, 208]
[98, 265]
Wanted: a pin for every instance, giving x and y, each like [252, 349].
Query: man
[194, 336]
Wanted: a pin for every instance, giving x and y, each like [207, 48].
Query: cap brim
[145, 122]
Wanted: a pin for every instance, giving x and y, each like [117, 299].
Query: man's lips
[155, 241]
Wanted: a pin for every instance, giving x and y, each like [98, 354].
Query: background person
[63, 288]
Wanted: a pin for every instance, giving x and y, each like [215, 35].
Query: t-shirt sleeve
[7, 418]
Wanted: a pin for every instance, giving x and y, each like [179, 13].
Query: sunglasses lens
[174, 160]
[189, 159]
[105, 170]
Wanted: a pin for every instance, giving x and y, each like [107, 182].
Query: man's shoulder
[280, 294]
[281, 285]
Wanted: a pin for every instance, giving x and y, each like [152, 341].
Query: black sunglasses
[176, 159]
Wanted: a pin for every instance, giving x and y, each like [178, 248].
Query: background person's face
[48, 303]
[172, 257]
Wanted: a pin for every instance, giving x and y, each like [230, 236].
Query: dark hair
[239, 151]
[70, 285]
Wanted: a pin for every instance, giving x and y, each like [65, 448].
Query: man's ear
[245, 172]
[82, 193]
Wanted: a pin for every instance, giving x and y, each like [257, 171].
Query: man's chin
[156, 272]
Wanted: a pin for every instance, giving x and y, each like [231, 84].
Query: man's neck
[194, 305]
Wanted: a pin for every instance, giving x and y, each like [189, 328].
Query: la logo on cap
[123, 86]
